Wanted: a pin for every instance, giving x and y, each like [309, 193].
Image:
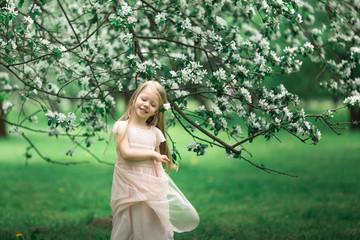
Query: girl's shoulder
[159, 133]
[119, 126]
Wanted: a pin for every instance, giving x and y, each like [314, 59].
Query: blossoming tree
[88, 51]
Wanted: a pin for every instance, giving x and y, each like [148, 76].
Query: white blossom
[160, 17]
[13, 45]
[243, 70]
[246, 94]
[277, 121]
[308, 48]
[173, 73]
[131, 20]
[83, 93]
[318, 135]
[250, 10]
[238, 131]
[220, 21]
[179, 56]
[186, 24]
[223, 122]
[63, 48]
[109, 99]
[10, 6]
[290, 50]
[307, 124]
[355, 53]
[89, 140]
[54, 131]
[216, 110]
[167, 106]
[201, 108]
[6, 107]
[125, 9]
[288, 114]
[50, 114]
[275, 57]
[265, 45]
[300, 131]
[131, 56]
[220, 74]
[34, 119]
[353, 100]
[127, 38]
[29, 19]
[85, 81]
[197, 30]
[192, 146]
[71, 117]
[211, 122]
[15, 131]
[70, 151]
[263, 104]
[60, 117]
[302, 113]
[44, 41]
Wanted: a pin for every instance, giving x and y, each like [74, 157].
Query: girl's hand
[160, 158]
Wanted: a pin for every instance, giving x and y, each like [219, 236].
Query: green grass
[234, 199]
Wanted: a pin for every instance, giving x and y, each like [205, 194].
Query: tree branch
[48, 159]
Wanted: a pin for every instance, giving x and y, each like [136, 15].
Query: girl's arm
[129, 154]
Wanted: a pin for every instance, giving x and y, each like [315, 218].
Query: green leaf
[57, 55]
[20, 4]
[28, 155]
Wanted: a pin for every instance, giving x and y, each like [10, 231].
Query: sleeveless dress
[145, 202]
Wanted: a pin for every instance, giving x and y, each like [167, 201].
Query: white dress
[145, 202]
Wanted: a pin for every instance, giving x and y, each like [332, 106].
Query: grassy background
[234, 200]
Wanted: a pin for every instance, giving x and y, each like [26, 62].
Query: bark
[355, 116]
[2, 122]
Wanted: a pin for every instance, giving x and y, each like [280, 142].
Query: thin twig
[48, 159]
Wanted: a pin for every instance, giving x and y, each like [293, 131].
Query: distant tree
[2, 122]
[87, 51]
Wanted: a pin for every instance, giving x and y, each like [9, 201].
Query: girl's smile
[146, 104]
[142, 110]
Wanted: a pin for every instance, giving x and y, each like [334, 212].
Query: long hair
[157, 120]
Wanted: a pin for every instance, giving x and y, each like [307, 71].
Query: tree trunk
[355, 116]
[2, 122]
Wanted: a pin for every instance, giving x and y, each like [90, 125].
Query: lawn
[234, 199]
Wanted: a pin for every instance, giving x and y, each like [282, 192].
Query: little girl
[145, 202]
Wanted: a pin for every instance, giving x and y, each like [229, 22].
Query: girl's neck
[139, 122]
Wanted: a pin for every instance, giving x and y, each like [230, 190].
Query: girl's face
[146, 104]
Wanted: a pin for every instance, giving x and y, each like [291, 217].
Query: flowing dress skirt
[146, 204]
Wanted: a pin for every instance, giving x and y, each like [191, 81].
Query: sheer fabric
[145, 202]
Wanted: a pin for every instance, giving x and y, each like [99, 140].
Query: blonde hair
[157, 120]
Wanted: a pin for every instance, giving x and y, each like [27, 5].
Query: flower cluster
[353, 101]
[56, 119]
[198, 148]
[215, 59]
